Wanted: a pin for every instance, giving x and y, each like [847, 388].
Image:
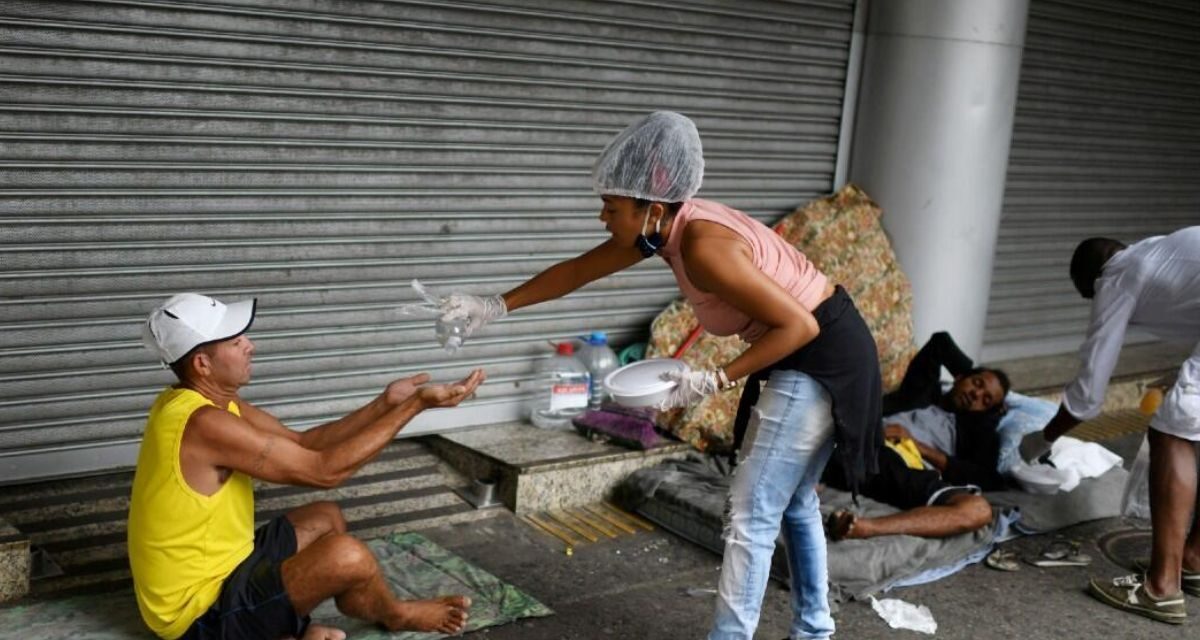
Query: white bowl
[640, 384]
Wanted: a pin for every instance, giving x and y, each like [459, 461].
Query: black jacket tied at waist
[843, 359]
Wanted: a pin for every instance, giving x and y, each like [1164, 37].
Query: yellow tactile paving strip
[1112, 425]
[587, 524]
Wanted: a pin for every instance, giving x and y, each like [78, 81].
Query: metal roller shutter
[319, 154]
[1106, 142]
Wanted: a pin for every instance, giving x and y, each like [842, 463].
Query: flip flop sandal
[1061, 553]
[839, 524]
[1002, 560]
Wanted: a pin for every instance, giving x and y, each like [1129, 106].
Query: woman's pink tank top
[772, 254]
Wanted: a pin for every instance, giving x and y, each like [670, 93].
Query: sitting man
[199, 568]
[942, 450]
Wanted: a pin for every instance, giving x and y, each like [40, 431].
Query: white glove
[477, 310]
[1035, 448]
[693, 387]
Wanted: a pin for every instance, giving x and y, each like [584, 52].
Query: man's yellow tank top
[182, 544]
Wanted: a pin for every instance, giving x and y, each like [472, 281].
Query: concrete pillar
[930, 144]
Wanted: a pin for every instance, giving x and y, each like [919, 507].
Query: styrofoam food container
[640, 384]
[1039, 478]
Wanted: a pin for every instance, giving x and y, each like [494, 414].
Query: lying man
[942, 450]
[200, 570]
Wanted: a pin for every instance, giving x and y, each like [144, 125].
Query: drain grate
[1125, 546]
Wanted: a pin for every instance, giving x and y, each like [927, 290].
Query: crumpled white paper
[905, 615]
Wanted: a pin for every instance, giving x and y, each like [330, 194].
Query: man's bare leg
[1191, 551]
[311, 522]
[960, 514]
[1172, 498]
[315, 520]
[339, 566]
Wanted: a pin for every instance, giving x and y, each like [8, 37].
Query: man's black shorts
[901, 486]
[253, 604]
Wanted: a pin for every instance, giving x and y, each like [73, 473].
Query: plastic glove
[1035, 448]
[477, 310]
[693, 387]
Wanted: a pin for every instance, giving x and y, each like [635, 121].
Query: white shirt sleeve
[1111, 310]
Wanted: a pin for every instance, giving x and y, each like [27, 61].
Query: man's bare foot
[840, 525]
[447, 614]
[322, 632]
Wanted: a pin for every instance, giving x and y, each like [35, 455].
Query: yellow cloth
[908, 450]
[182, 544]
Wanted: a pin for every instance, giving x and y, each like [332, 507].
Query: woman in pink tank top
[810, 352]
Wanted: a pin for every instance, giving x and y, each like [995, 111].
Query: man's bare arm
[225, 440]
[326, 435]
[264, 421]
[933, 455]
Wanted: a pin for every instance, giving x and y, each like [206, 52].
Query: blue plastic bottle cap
[598, 338]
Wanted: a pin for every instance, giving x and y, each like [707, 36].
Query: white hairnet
[656, 158]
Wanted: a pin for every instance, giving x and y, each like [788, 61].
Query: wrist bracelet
[725, 382]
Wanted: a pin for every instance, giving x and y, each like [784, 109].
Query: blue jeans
[788, 441]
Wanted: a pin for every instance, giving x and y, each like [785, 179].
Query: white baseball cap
[189, 320]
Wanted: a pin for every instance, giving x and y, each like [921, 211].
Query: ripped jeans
[788, 442]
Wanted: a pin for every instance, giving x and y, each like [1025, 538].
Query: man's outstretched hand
[449, 395]
[1035, 448]
[402, 389]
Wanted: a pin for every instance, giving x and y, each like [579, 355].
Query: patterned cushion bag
[843, 236]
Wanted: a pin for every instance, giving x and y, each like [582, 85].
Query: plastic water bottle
[600, 360]
[562, 389]
[451, 333]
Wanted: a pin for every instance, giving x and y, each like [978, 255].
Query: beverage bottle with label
[600, 360]
[561, 389]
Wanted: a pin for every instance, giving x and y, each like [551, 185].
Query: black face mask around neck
[648, 246]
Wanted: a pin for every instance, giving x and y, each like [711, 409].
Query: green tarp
[415, 567]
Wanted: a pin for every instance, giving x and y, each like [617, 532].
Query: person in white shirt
[1154, 285]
